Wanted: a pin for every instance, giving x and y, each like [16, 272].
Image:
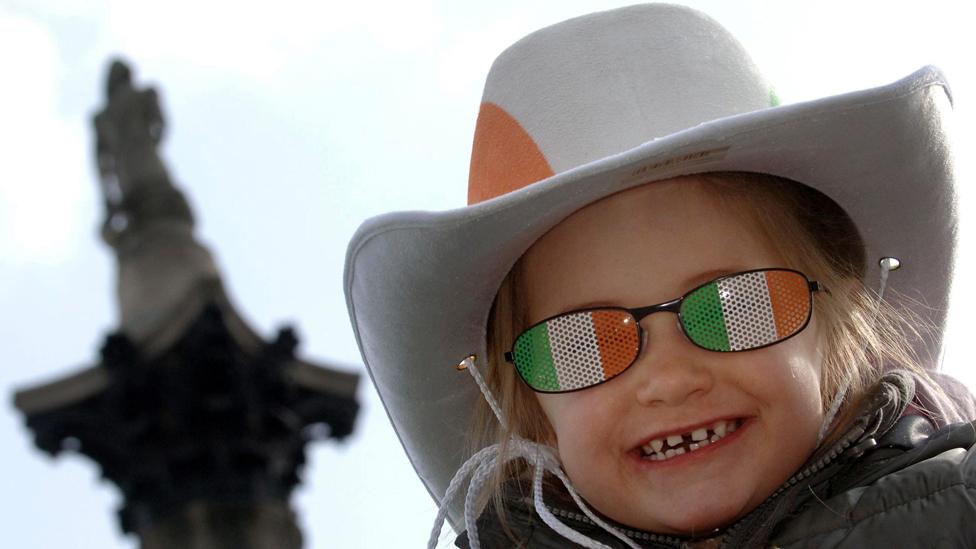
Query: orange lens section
[789, 294]
[618, 340]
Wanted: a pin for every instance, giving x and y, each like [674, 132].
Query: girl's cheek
[572, 416]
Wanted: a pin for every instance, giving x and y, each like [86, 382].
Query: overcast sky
[289, 124]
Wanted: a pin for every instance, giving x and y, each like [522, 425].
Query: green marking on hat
[533, 358]
[773, 98]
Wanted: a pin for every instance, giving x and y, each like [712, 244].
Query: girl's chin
[691, 519]
[686, 526]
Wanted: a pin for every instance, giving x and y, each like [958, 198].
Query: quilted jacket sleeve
[930, 503]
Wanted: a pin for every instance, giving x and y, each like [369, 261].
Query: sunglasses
[736, 312]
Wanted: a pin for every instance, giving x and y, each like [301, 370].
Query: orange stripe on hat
[504, 157]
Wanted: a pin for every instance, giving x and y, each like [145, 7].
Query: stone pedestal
[200, 423]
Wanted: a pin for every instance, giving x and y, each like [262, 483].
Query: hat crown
[601, 84]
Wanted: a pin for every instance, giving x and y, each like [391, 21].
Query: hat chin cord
[481, 465]
[887, 265]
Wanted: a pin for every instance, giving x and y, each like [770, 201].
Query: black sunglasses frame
[672, 306]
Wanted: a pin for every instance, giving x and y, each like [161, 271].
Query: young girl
[691, 317]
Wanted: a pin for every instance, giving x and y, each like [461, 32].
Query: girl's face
[649, 245]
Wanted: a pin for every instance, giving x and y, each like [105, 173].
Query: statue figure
[164, 275]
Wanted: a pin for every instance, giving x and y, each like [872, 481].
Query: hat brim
[419, 285]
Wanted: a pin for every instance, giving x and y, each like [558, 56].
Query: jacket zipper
[836, 451]
[633, 534]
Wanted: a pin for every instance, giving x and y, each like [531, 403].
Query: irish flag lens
[577, 350]
[746, 311]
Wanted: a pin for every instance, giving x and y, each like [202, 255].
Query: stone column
[200, 422]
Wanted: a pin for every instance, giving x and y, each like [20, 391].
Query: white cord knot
[542, 458]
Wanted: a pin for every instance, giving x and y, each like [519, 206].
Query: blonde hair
[862, 335]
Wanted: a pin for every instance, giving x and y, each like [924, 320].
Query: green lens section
[703, 320]
[533, 358]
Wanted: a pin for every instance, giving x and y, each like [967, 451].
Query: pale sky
[289, 124]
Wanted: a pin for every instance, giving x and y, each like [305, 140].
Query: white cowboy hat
[601, 103]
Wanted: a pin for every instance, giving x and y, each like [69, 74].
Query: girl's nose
[670, 368]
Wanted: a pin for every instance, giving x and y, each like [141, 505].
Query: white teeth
[657, 449]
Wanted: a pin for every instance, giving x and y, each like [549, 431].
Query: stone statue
[163, 272]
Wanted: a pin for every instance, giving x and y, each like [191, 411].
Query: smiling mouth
[671, 446]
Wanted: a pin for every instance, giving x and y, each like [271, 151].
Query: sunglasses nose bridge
[673, 306]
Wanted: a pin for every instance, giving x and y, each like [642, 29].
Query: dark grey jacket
[892, 480]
